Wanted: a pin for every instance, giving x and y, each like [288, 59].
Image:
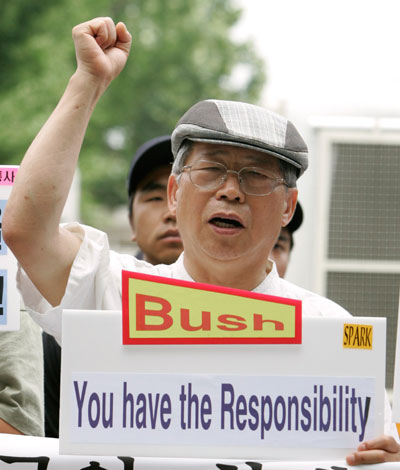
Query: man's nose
[169, 216]
[231, 188]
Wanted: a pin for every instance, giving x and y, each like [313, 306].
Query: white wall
[71, 212]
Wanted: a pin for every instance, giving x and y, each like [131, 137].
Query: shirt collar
[269, 284]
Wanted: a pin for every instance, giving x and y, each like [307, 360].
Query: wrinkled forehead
[231, 156]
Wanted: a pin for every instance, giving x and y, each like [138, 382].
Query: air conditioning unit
[358, 214]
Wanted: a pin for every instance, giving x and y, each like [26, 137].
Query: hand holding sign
[378, 450]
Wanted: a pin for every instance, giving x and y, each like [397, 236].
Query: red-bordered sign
[159, 310]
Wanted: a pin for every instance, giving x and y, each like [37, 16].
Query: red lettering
[258, 323]
[142, 313]
[205, 321]
[239, 324]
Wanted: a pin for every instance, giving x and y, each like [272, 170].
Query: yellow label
[175, 311]
[357, 336]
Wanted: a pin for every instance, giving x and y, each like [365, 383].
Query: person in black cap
[282, 249]
[232, 188]
[153, 225]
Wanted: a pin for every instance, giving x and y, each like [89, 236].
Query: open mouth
[223, 222]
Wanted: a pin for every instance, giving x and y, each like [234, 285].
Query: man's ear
[133, 231]
[291, 201]
[172, 193]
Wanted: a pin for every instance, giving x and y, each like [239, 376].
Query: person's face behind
[153, 225]
[281, 251]
[225, 224]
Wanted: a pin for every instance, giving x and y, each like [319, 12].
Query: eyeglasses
[212, 175]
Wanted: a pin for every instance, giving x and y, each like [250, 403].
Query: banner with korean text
[35, 453]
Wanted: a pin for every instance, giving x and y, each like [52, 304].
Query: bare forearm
[41, 188]
[31, 219]
[44, 179]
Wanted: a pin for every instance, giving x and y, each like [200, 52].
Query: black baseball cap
[297, 219]
[150, 155]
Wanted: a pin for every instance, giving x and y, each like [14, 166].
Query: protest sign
[34, 453]
[314, 400]
[9, 297]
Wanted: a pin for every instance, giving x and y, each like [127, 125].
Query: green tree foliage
[182, 52]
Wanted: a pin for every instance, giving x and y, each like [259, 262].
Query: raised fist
[101, 47]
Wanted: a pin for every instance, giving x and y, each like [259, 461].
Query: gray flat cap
[244, 125]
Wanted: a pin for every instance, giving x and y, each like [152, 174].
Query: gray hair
[289, 171]
[181, 156]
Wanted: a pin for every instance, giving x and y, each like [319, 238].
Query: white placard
[339, 391]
